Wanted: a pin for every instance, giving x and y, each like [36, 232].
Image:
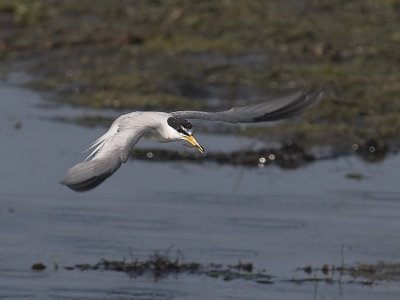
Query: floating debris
[38, 267]
[355, 176]
[161, 266]
[18, 125]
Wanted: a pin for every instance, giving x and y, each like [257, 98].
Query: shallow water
[277, 219]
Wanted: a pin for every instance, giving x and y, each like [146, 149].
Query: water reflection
[372, 150]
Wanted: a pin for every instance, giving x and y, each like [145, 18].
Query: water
[278, 220]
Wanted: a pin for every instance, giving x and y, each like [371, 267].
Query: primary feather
[275, 109]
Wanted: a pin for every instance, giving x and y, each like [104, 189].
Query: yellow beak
[194, 143]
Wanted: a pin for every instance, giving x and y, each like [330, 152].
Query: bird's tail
[89, 174]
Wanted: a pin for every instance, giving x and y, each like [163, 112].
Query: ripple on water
[266, 223]
[15, 294]
[235, 253]
[387, 196]
[145, 294]
[211, 198]
[120, 294]
[21, 274]
[111, 220]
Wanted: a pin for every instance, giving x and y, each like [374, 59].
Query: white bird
[113, 148]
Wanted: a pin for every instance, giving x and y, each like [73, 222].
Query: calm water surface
[279, 220]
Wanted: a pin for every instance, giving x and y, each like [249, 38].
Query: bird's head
[185, 131]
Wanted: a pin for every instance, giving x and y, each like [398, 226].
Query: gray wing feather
[273, 110]
[89, 174]
[111, 151]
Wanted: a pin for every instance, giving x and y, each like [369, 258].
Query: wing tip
[85, 185]
[89, 174]
[301, 102]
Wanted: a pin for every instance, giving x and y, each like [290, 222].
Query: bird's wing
[275, 109]
[109, 152]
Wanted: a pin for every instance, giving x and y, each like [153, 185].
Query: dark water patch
[355, 176]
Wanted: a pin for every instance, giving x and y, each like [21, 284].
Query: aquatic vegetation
[160, 266]
[377, 272]
[368, 273]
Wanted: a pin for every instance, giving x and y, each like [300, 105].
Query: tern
[112, 149]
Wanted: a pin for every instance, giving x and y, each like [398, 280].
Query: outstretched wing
[275, 109]
[109, 152]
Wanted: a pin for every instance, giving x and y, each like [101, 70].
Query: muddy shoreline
[134, 55]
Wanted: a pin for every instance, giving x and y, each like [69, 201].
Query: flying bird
[112, 149]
